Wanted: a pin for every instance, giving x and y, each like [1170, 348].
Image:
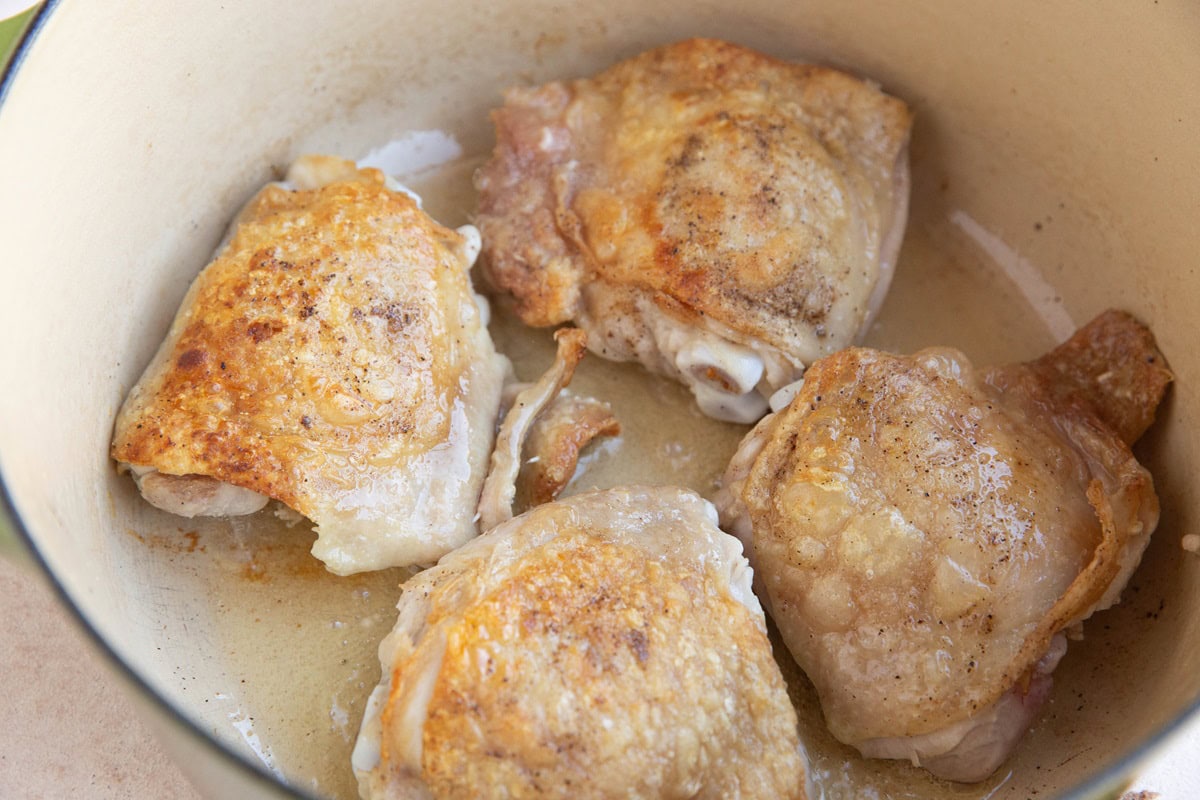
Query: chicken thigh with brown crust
[721, 216]
[332, 357]
[925, 534]
[606, 645]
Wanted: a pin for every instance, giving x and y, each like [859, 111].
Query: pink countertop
[69, 728]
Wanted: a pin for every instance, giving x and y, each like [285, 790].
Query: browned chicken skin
[606, 645]
[925, 533]
[555, 443]
[720, 216]
[332, 357]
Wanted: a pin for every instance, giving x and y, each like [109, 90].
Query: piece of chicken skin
[605, 645]
[332, 357]
[925, 533]
[555, 442]
[531, 400]
[718, 215]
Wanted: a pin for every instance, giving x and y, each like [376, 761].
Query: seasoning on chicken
[927, 535]
[333, 357]
[605, 645]
[718, 215]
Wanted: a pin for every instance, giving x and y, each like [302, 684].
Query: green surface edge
[10, 33]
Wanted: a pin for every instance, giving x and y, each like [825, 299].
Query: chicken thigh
[926, 535]
[606, 645]
[718, 215]
[333, 357]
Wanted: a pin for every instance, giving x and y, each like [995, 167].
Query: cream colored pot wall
[133, 130]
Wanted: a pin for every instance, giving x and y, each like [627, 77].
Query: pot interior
[1050, 183]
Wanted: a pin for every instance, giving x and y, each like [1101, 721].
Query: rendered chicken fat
[708, 211]
[924, 533]
[600, 646]
[333, 356]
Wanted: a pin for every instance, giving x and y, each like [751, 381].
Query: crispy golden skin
[759, 200]
[331, 357]
[555, 442]
[1113, 366]
[606, 645]
[922, 531]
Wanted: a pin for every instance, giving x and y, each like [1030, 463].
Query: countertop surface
[70, 730]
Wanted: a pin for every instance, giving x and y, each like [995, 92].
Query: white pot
[1056, 173]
